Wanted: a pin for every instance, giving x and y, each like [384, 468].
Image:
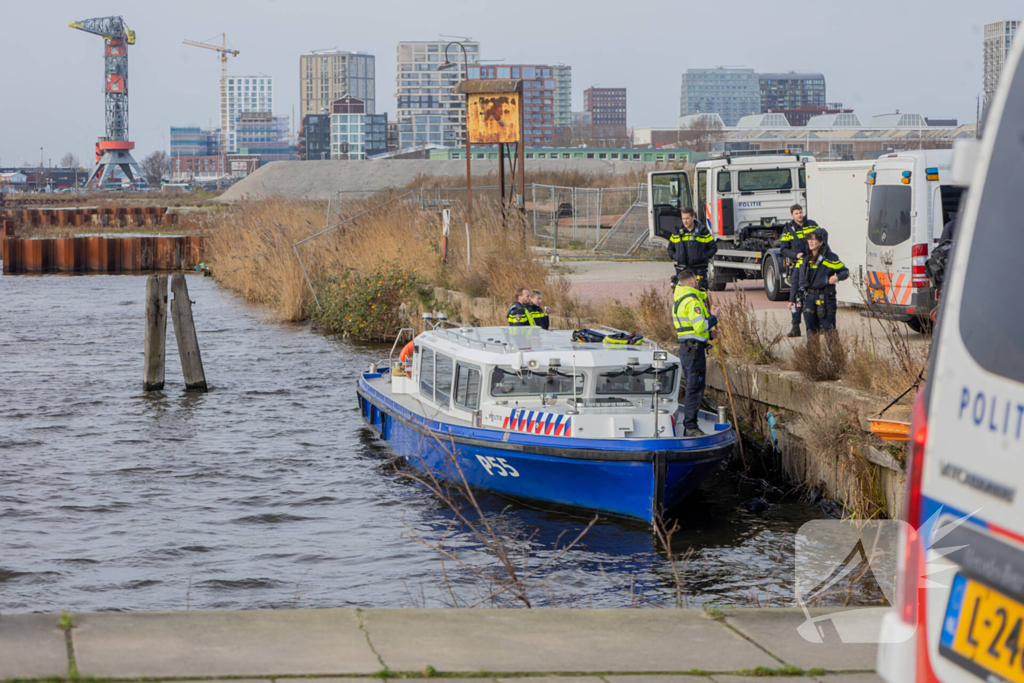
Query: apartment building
[607, 106]
[429, 109]
[245, 94]
[356, 134]
[326, 75]
[996, 45]
[789, 91]
[730, 93]
[263, 134]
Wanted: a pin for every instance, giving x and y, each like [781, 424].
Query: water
[267, 491]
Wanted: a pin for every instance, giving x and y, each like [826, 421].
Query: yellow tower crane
[224, 51]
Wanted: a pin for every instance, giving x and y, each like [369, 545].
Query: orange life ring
[406, 355]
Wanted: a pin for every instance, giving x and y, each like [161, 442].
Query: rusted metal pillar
[501, 179]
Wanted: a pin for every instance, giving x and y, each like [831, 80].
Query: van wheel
[773, 280]
[919, 325]
[717, 279]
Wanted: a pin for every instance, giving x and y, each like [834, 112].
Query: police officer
[537, 311]
[814, 282]
[518, 316]
[694, 325]
[793, 246]
[692, 246]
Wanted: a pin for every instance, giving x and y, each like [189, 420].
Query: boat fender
[406, 355]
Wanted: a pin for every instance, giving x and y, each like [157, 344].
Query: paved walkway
[591, 646]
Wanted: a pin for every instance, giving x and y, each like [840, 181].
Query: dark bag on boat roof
[586, 335]
[624, 338]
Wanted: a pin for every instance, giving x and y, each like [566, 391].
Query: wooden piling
[156, 332]
[185, 333]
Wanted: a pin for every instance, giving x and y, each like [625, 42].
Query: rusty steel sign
[494, 109]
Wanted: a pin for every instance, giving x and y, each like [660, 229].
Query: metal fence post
[597, 228]
[575, 212]
[533, 195]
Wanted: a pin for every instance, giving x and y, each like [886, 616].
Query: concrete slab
[243, 643]
[851, 678]
[548, 679]
[32, 646]
[628, 641]
[776, 631]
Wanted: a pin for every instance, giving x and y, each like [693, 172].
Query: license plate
[983, 631]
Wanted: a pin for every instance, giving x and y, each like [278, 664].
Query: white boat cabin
[530, 380]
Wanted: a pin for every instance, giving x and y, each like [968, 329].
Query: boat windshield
[636, 380]
[509, 382]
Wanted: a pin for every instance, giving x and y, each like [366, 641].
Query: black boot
[794, 331]
[692, 432]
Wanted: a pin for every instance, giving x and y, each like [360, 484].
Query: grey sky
[877, 56]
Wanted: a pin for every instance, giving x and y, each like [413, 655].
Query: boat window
[636, 380]
[509, 382]
[427, 373]
[724, 182]
[444, 368]
[765, 179]
[467, 386]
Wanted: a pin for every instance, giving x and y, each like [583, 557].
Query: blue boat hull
[596, 474]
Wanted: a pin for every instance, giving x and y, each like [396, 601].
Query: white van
[910, 199]
[960, 599]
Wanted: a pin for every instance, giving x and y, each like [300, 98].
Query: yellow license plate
[983, 631]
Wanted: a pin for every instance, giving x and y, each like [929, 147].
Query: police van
[911, 198]
[960, 595]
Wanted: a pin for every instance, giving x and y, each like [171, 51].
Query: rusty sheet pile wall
[122, 216]
[101, 254]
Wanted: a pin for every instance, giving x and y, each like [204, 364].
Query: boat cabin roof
[518, 345]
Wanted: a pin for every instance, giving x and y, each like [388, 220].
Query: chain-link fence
[610, 221]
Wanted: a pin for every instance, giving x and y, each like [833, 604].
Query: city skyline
[172, 84]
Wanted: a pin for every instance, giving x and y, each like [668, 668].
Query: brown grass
[650, 315]
[563, 178]
[249, 248]
[822, 358]
[744, 335]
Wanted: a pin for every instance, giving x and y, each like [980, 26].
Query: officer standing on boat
[694, 325]
[793, 246]
[537, 311]
[814, 283]
[692, 246]
[518, 315]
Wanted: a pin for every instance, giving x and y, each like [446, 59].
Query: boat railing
[464, 339]
[391, 355]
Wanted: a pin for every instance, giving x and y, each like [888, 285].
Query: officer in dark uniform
[518, 316]
[692, 246]
[694, 325]
[793, 246]
[814, 283]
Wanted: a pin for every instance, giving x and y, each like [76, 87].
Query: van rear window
[889, 215]
[769, 179]
[990, 322]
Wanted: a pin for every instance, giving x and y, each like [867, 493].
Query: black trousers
[700, 272]
[820, 317]
[694, 361]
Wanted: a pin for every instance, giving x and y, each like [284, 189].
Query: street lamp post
[469, 184]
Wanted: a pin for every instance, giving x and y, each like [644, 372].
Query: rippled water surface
[267, 491]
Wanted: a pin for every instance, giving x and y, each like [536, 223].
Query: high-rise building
[326, 75]
[392, 136]
[545, 91]
[607, 106]
[997, 38]
[245, 94]
[261, 133]
[791, 90]
[429, 109]
[730, 93]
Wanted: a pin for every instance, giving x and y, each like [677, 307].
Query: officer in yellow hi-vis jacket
[814, 283]
[692, 246]
[694, 325]
[518, 315]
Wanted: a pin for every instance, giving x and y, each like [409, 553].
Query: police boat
[531, 413]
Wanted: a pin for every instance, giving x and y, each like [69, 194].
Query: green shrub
[365, 307]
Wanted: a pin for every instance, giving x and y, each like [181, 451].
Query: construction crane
[114, 149]
[225, 52]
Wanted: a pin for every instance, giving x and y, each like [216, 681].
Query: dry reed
[744, 335]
